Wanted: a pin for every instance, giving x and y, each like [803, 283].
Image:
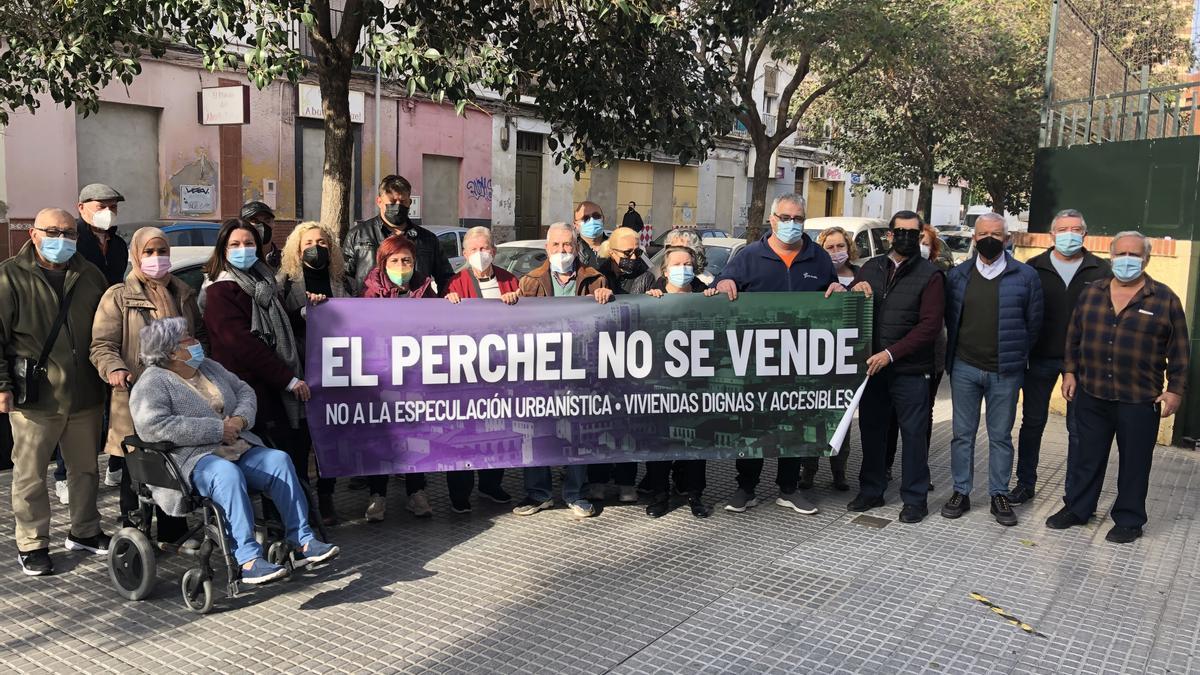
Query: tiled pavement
[768, 591]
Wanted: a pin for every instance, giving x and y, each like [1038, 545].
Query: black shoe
[864, 503]
[460, 505]
[497, 495]
[658, 509]
[956, 506]
[1020, 494]
[1002, 510]
[911, 513]
[97, 543]
[1064, 519]
[1123, 535]
[839, 481]
[698, 508]
[357, 483]
[36, 563]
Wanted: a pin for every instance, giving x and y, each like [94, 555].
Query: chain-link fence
[1093, 95]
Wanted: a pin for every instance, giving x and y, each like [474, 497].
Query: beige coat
[122, 313]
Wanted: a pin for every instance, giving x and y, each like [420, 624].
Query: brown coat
[122, 313]
[538, 284]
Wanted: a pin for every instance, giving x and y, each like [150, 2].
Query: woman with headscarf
[396, 276]
[149, 292]
[311, 271]
[251, 336]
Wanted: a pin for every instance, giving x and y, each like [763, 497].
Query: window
[882, 245]
[449, 242]
[862, 240]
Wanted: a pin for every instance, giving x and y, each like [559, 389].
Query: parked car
[717, 251]
[520, 257]
[959, 244]
[450, 237]
[179, 232]
[657, 243]
[869, 234]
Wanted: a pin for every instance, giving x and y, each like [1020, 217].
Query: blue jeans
[262, 470]
[1040, 377]
[539, 482]
[970, 386]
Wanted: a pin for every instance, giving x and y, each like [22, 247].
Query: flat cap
[99, 192]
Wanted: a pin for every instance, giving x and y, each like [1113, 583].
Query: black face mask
[906, 242]
[396, 214]
[632, 268]
[316, 258]
[989, 247]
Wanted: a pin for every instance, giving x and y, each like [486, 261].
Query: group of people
[220, 373]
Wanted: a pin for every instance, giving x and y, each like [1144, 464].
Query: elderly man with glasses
[51, 392]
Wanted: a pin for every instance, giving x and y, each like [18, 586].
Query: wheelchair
[132, 554]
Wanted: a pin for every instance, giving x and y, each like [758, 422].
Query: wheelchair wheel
[197, 595]
[132, 564]
[278, 553]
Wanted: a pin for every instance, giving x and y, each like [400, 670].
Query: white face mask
[562, 263]
[102, 220]
[925, 251]
[480, 261]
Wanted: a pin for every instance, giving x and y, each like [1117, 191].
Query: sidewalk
[765, 591]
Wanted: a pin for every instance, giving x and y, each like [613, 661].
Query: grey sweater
[166, 408]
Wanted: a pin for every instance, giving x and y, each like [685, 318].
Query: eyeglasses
[785, 216]
[631, 253]
[55, 233]
[594, 216]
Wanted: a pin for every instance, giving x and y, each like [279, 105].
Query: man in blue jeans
[993, 316]
[1065, 271]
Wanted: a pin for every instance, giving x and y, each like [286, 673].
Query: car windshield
[958, 243]
[718, 257]
[193, 237]
[519, 260]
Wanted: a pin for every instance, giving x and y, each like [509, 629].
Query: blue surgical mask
[591, 228]
[197, 352]
[680, 276]
[790, 231]
[242, 258]
[1127, 268]
[57, 250]
[1068, 243]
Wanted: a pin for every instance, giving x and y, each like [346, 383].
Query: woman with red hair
[396, 276]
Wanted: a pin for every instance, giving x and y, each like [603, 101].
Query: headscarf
[158, 291]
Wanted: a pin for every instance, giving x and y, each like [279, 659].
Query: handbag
[27, 374]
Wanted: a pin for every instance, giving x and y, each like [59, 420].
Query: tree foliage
[614, 79]
[1143, 32]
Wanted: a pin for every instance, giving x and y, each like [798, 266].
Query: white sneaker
[596, 492]
[629, 494]
[418, 503]
[376, 509]
[60, 489]
[112, 478]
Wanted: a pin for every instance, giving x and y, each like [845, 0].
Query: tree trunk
[999, 200]
[756, 216]
[925, 192]
[337, 182]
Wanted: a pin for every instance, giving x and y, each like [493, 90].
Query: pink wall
[426, 128]
[39, 156]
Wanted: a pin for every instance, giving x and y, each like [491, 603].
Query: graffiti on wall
[480, 188]
[198, 172]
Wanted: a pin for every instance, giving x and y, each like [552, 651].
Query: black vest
[898, 308]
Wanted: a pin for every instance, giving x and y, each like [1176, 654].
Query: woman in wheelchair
[206, 412]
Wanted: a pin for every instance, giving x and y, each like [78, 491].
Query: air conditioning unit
[819, 172]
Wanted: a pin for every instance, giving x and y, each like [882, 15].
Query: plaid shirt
[1122, 357]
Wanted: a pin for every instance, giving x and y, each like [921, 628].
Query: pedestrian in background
[563, 275]
[396, 275]
[149, 293]
[263, 218]
[1126, 334]
[632, 220]
[993, 318]
[1066, 271]
[51, 392]
[311, 271]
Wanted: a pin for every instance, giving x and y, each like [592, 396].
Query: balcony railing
[1144, 114]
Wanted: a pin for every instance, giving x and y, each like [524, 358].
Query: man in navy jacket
[993, 317]
[784, 260]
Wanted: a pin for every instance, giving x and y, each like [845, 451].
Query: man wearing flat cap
[99, 242]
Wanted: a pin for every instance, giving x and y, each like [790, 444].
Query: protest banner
[402, 386]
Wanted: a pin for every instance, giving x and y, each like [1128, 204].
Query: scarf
[158, 291]
[270, 323]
